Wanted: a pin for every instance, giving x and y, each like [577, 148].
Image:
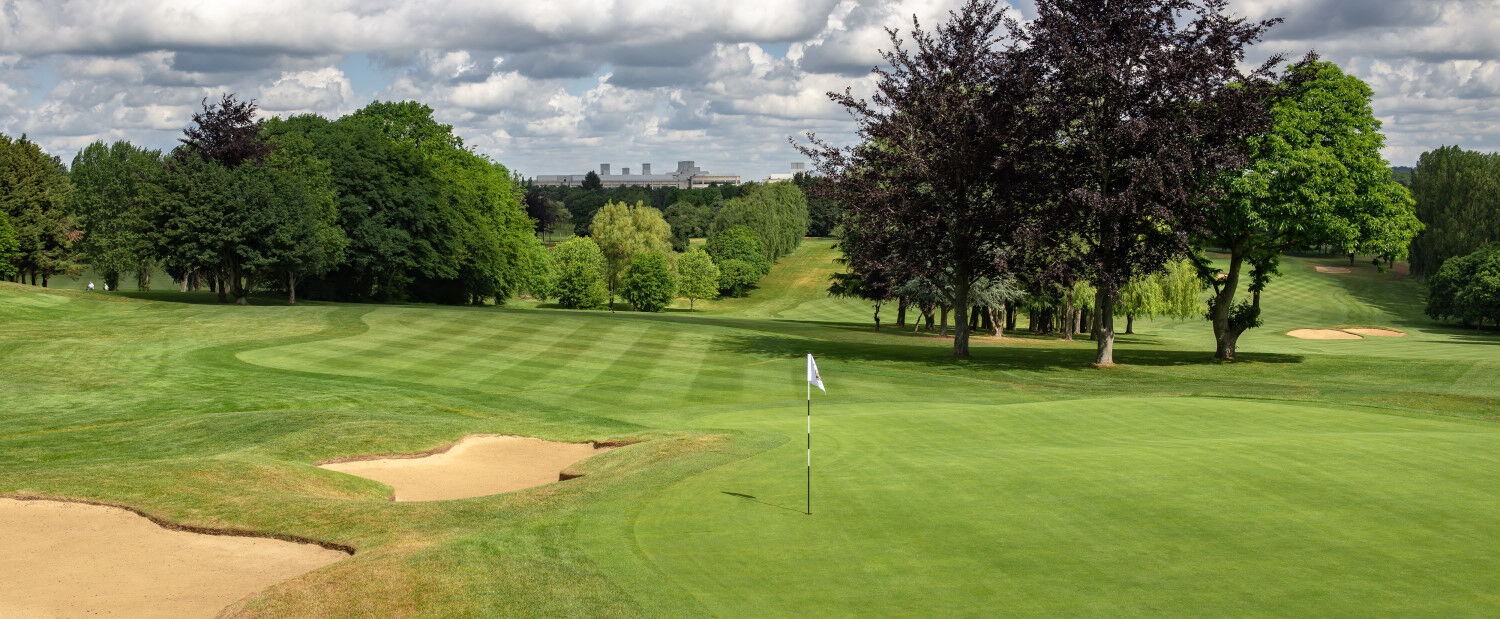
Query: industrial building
[687, 176]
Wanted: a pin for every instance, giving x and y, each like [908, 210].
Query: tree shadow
[752, 498]
[998, 358]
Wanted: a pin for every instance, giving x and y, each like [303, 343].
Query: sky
[560, 86]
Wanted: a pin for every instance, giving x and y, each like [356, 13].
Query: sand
[71, 559]
[1338, 270]
[1322, 334]
[474, 466]
[1377, 332]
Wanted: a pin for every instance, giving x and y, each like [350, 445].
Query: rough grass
[1311, 478]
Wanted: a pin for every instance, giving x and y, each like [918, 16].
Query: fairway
[1311, 477]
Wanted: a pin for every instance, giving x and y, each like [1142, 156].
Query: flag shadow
[753, 499]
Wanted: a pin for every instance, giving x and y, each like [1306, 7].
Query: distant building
[796, 168]
[687, 176]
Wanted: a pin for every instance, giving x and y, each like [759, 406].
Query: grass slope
[1314, 477]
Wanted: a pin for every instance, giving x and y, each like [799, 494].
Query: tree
[304, 238]
[1149, 107]
[698, 276]
[36, 196]
[736, 277]
[591, 181]
[1314, 177]
[225, 132]
[9, 248]
[739, 243]
[1467, 288]
[579, 268]
[622, 231]
[822, 210]
[688, 220]
[548, 213]
[776, 213]
[109, 183]
[648, 283]
[1174, 292]
[1457, 195]
[940, 188]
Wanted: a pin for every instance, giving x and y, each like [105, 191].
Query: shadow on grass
[988, 358]
[751, 498]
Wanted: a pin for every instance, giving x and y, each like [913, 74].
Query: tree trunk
[943, 321]
[222, 283]
[928, 316]
[901, 312]
[998, 316]
[1224, 340]
[45, 279]
[877, 316]
[1077, 325]
[986, 318]
[1011, 317]
[143, 280]
[961, 311]
[1104, 304]
[237, 285]
[1129, 324]
[182, 286]
[291, 288]
[1067, 316]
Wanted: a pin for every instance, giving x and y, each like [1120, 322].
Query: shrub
[578, 267]
[648, 283]
[1467, 288]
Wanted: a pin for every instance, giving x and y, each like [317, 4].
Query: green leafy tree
[540, 275]
[736, 277]
[1457, 194]
[698, 276]
[1175, 293]
[110, 198]
[37, 197]
[579, 268]
[623, 231]
[1314, 178]
[1467, 288]
[776, 213]
[9, 248]
[649, 284]
[688, 220]
[739, 243]
[304, 238]
[822, 210]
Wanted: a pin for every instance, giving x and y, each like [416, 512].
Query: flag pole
[809, 444]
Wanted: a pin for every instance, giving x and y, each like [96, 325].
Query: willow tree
[622, 231]
[1314, 177]
[938, 187]
[1148, 106]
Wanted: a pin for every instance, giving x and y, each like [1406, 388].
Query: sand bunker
[71, 559]
[1377, 332]
[1322, 334]
[1337, 270]
[474, 466]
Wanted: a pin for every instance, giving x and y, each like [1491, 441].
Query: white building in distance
[796, 168]
[687, 176]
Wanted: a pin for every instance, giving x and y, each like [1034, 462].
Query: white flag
[812, 374]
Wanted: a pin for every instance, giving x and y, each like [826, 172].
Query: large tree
[939, 187]
[1314, 178]
[623, 231]
[1458, 200]
[226, 132]
[36, 196]
[1148, 106]
[116, 215]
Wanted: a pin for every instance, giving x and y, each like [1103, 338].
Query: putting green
[1095, 506]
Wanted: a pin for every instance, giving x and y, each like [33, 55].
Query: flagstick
[809, 447]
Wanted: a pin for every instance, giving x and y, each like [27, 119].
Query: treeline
[689, 212]
[1458, 198]
[1010, 168]
[630, 252]
[385, 203]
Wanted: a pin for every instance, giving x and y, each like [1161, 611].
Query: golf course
[1310, 477]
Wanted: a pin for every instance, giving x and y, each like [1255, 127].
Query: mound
[1336, 270]
[70, 559]
[475, 466]
[1322, 334]
[1376, 332]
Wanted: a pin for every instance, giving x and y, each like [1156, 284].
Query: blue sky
[558, 87]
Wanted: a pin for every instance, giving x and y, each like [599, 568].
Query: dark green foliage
[688, 220]
[591, 181]
[8, 247]
[36, 196]
[110, 198]
[822, 209]
[649, 284]
[737, 277]
[776, 213]
[1402, 175]
[739, 243]
[578, 269]
[1458, 200]
[1467, 288]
